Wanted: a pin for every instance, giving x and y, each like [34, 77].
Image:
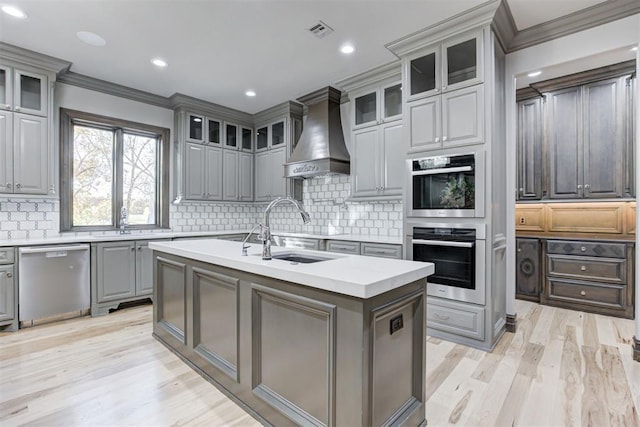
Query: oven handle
[443, 243]
[442, 170]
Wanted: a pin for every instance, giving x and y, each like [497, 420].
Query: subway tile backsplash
[325, 198]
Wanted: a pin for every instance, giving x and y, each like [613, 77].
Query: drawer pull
[441, 317]
[583, 293]
[583, 268]
[9, 275]
[583, 249]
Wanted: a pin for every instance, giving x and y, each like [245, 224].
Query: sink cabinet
[8, 291]
[121, 271]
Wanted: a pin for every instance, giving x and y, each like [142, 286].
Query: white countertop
[89, 238]
[354, 275]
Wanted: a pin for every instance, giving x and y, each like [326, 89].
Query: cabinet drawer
[602, 295]
[343, 247]
[588, 268]
[456, 318]
[594, 249]
[381, 250]
[297, 242]
[6, 255]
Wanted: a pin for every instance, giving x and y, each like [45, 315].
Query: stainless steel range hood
[321, 149]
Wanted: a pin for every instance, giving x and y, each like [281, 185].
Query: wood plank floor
[561, 368]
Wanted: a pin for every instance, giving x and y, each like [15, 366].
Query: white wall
[623, 33]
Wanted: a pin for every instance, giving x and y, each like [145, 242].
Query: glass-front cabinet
[377, 106]
[271, 136]
[453, 64]
[231, 136]
[246, 138]
[262, 138]
[195, 128]
[23, 91]
[214, 131]
[277, 134]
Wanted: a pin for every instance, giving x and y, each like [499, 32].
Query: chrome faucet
[244, 242]
[124, 221]
[265, 233]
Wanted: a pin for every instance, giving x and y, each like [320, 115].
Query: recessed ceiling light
[161, 63]
[250, 93]
[347, 49]
[14, 11]
[534, 74]
[91, 38]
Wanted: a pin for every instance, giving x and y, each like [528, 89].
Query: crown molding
[391, 70]
[33, 59]
[287, 108]
[585, 77]
[581, 20]
[98, 85]
[504, 26]
[180, 101]
[468, 20]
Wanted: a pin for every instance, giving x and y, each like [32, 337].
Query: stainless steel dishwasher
[52, 280]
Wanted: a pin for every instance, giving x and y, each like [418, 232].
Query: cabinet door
[393, 156]
[262, 138]
[279, 182]
[423, 73]
[195, 128]
[246, 136]
[604, 138]
[6, 95]
[530, 149]
[364, 163]
[463, 117]
[7, 293]
[214, 132]
[564, 124]
[365, 109]
[213, 173]
[462, 63]
[144, 268]
[194, 172]
[278, 134]
[528, 274]
[116, 271]
[6, 150]
[30, 93]
[263, 178]
[425, 124]
[30, 154]
[230, 175]
[245, 175]
[231, 135]
[391, 108]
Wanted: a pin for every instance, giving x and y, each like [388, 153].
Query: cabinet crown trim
[34, 59]
[287, 108]
[376, 75]
[180, 101]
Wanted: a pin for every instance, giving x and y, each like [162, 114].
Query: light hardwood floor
[561, 368]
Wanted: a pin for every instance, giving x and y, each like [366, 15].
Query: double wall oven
[442, 191]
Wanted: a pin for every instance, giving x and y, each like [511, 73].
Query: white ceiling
[218, 49]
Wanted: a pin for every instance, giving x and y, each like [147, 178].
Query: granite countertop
[354, 275]
[155, 235]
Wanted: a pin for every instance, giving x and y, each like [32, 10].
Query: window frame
[68, 119]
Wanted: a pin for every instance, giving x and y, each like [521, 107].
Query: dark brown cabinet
[587, 139]
[528, 274]
[530, 149]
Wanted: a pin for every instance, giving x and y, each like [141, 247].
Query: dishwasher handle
[45, 249]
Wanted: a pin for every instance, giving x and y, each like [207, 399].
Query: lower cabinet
[381, 250]
[120, 272]
[592, 276]
[465, 320]
[528, 274]
[8, 294]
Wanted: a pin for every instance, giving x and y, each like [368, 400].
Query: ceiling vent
[320, 29]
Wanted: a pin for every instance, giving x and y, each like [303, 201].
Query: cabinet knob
[9, 274]
[133, 249]
[583, 249]
[5, 106]
[8, 185]
[519, 249]
[444, 88]
[579, 187]
[139, 248]
[437, 139]
[583, 293]
[521, 190]
[444, 138]
[587, 186]
[18, 186]
[435, 90]
[583, 268]
[18, 109]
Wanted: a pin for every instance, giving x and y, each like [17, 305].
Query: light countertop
[90, 238]
[354, 275]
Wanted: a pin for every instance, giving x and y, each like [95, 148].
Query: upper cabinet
[23, 91]
[272, 135]
[246, 139]
[375, 106]
[450, 65]
[231, 136]
[530, 149]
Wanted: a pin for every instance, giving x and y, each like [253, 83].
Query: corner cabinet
[121, 271]
[26, 139]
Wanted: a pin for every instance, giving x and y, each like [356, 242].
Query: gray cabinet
[245, 177]
[587, 139]
[8, 291]
[376, 105]
[269, 180]
[377, 161]
[528, 274]
[449, 120]
[203, 172]
[230, 175]
[120, 271]
[530, 149]
[381, 250]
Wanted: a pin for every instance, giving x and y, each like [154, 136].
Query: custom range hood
[321, 149]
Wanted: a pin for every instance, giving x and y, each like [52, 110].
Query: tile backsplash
[325, 198]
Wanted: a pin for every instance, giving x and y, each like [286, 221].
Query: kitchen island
[336, 342]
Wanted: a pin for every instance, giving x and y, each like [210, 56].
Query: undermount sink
[299, 258]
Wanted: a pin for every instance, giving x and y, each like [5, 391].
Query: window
[108, 165]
